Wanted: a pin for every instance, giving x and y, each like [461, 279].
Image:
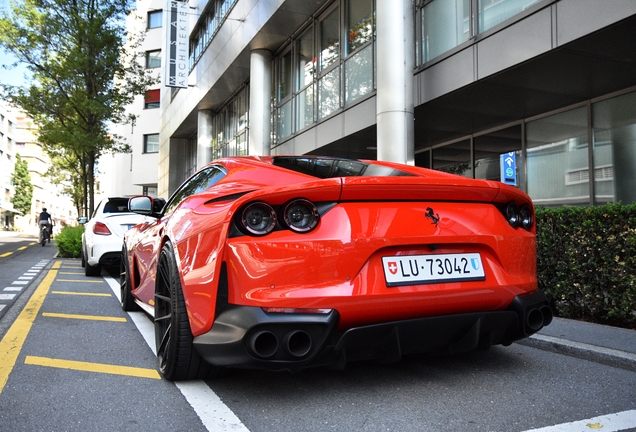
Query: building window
[557, 156]
[230, 127]
[151, 143]
[493, 12]
[329, 64]
[445, 24]
[155, 19]
[153, 59]
[151, 98]
[615, 149]
[305, 76]
[207, 27]
[359, 33]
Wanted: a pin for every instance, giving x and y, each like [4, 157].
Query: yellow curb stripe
[13, 340]
[92, 367]
[83, 317]
[71, 273]
[82, 293]
[80, 280]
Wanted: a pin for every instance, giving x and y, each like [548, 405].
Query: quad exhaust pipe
[538, 318]
[265, 344]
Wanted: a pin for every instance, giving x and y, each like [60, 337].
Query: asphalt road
[84, 364]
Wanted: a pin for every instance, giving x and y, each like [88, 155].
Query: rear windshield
[116, 205]
[334, 167]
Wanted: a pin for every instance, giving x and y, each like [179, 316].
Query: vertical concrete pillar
[395, 63]
[260, 104]
[204, 137]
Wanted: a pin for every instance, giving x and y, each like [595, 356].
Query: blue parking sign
[508, 168]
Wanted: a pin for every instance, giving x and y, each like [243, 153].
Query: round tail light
[525, 217]
[512, 214]
[300, 215]
[258, 218]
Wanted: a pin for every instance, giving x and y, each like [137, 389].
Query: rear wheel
[127, 300]
[90, 270]
[178, 359]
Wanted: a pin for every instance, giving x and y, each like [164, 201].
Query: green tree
[85, 72]
[23, 188]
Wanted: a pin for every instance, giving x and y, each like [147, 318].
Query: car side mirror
[141, 205]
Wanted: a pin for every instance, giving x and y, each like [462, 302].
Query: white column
[260, 111]
[204, 137]
[395, 63]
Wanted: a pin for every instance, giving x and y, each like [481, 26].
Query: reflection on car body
[290, 262]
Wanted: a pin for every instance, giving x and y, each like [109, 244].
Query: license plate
[423, 269]
[127, 227]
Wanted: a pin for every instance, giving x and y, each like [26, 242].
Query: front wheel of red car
[178, 359]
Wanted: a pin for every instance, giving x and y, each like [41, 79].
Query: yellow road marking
[13, 340]
[84, 317]
[92, 367]
[80, 280]
[82, 293]
[6, 254]
[79, 273]
[22, 247]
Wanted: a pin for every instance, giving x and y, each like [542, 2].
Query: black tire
[90, 270]
[127, 300]
[178, 359]
[82, 257]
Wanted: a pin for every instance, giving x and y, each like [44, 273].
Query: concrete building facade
[136, 173]
[7, 167]
[540, 94]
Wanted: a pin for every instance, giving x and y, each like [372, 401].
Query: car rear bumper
[248, 337]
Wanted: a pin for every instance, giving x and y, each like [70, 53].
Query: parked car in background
[290, 262]
[104, 233]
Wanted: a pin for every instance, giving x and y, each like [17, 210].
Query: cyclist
[46, 220]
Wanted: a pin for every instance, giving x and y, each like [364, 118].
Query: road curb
[606, 356]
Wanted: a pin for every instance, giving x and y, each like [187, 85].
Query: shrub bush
[586, 262]
[69, 241]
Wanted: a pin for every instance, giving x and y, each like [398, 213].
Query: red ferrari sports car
[290, 262]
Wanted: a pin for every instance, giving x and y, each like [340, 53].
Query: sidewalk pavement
[608, 345]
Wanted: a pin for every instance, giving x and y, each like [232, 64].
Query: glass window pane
[493, 12]
[445, 24]
[330, 39]
[151, 143]
[154, 19]
[454, 159]
[284, 121]
[359, 24]
[615, 149]
[284, 76]
[491, 148]
[305, 108]
[306, 60]
[329, 93]
[557, 159]
[359, 75]
[153, 59]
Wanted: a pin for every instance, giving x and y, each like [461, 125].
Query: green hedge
[69, 241]
[586, 262]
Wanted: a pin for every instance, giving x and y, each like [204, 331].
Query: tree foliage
[84, 73]
[23, 187]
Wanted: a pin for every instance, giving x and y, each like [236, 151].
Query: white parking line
[214, 414]
[607, 423]
[7, 296]
[12, 289]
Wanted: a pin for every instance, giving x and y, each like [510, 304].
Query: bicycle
[45, 235]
